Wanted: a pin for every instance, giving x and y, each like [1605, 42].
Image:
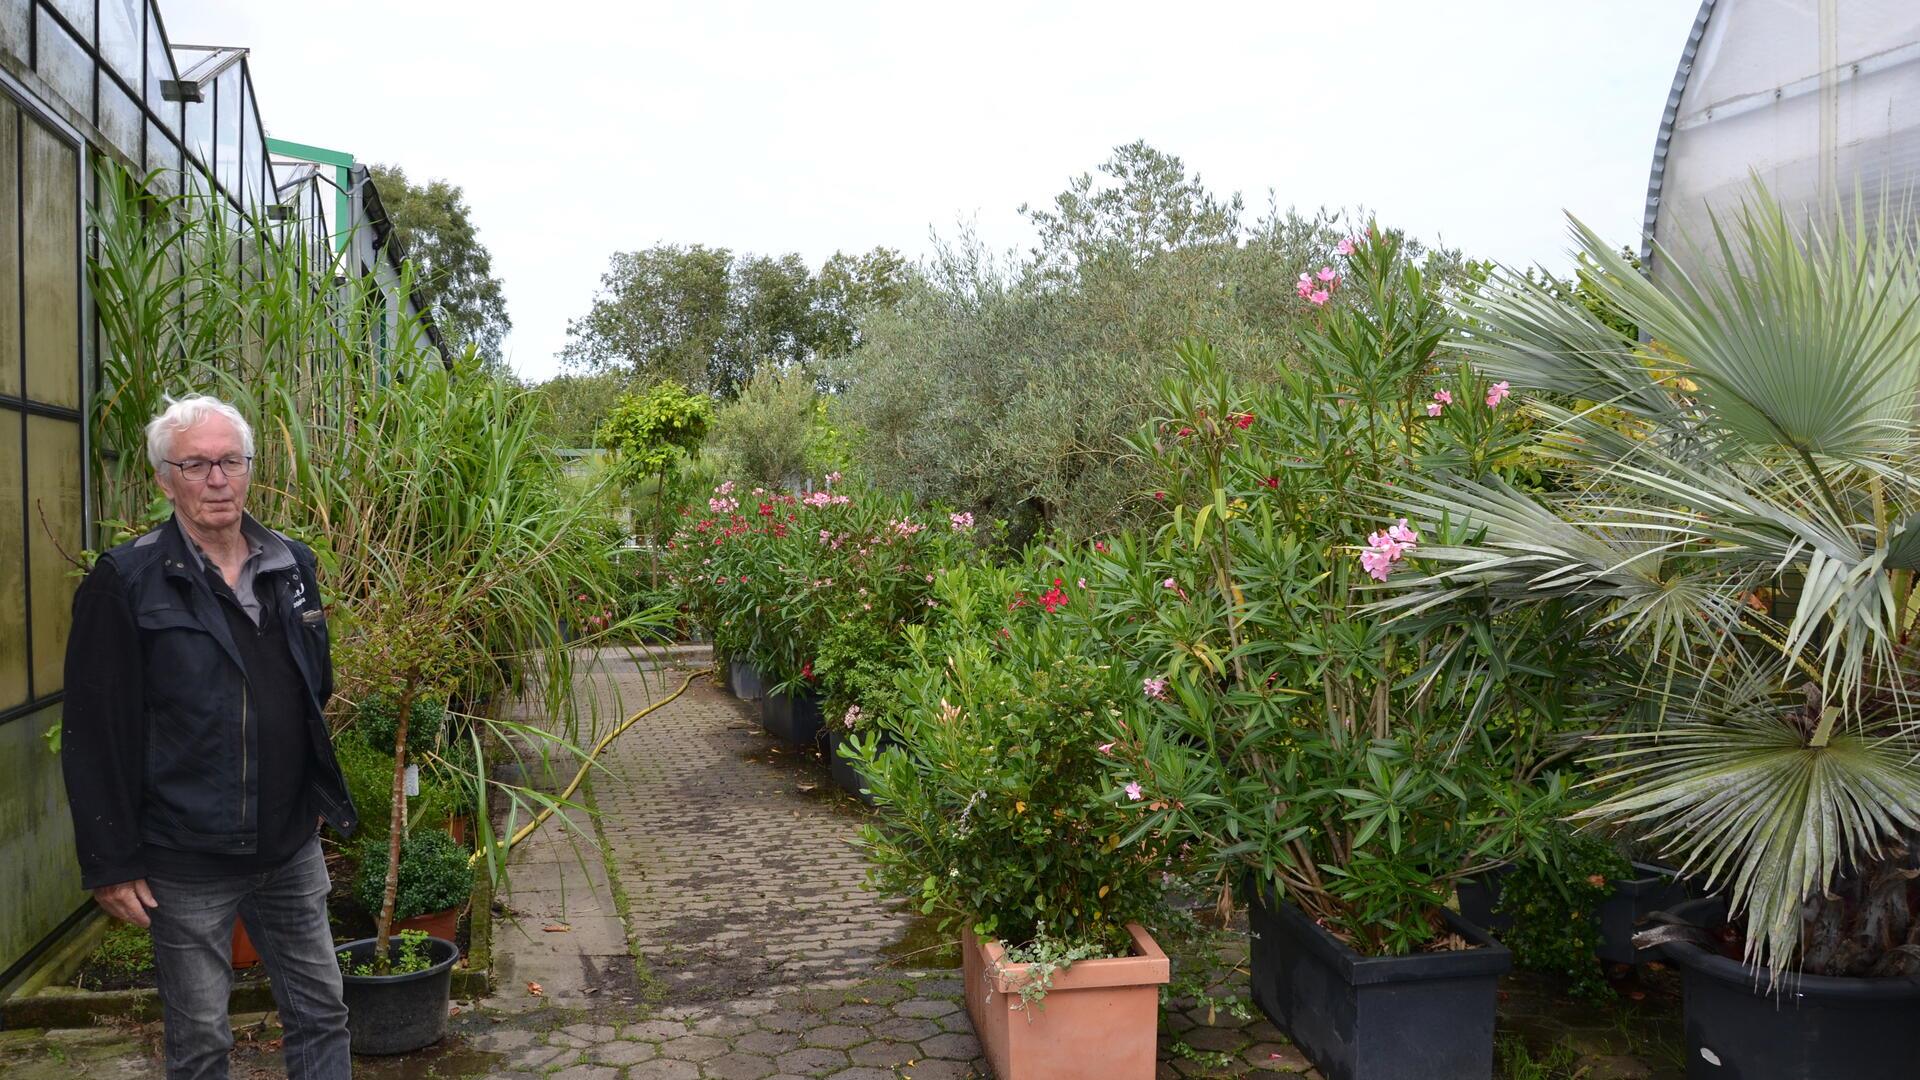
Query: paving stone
[587, 1072]
[953, 1046]
[654, 1030]
[838, 1036]
[767, 1042]
[859, 1014]
[693, 1048]
[1275, 1056]
[1222, 1039]
[809, 1059]
[723, 1025]
[944, 1070]
[862, 1073]
[927, 1007]
[663, 1069]
[623, 1052]
[884, 1052]
[739, 1066]
[542, 1057]
[905, 1029]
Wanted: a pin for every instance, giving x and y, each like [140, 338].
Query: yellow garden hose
[546, 812]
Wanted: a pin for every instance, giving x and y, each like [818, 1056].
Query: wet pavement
[708, 923]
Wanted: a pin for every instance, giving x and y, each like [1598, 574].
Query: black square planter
[794, 719]
[1652, 888]
[1428, 1016]
[744, 678]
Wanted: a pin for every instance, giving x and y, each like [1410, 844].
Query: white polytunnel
[1818, 99]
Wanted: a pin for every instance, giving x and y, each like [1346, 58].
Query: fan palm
[1736, 500]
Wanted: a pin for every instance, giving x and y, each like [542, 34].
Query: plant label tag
[413, 781]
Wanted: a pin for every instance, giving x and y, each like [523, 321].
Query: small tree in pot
[997, 809]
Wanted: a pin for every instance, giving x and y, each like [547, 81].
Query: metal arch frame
[1657, 174]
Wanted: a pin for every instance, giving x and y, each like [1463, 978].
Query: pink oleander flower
[1319, 298]
[1105, 748]
[1304, 286]
[1378, 564]
[960, 522]
[929, 579]
[725, 488]
[834, 478]
[1496, 394]
[1134, 792]
[1403, 534]
[1155, 689]
[1081, 583]
[1169, 584]
[852, 717]
[1346, 246]
[1433, 408]
[1327, 273]
[1444, 397]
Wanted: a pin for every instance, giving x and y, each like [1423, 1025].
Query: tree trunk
[396, 830]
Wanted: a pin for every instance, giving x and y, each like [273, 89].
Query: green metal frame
[342, 163]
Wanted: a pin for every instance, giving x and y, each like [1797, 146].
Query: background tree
[710, 318]
[1007, 384]
[651, 433]
[572, 407]
[764, 435]
[455, 270]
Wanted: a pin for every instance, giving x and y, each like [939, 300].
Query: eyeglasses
[196, 469]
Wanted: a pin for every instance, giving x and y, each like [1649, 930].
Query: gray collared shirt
[266, 552]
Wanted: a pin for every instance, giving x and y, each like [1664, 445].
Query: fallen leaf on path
[534, 989]
[557, 928]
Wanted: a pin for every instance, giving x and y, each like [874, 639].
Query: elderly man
[197, 761]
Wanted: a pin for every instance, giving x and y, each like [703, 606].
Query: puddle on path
[924, 947]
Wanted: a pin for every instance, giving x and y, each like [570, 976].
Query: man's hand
[128, 901]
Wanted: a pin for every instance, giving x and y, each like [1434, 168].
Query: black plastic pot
[1656, 888]
[1423, 1017]
[1480, 895]
[845, 774]
[393, 1014]
[794, 719]
[1809, 1026]
[744, 678]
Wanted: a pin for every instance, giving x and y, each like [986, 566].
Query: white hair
[183, 413]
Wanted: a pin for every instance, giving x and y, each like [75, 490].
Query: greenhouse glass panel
[54, 514]
[200, 130]
[13, 566]
[226, 117]
[9, 250]
[163, 154]
[64, 64]
[79, 15]
[1820, 101]
[16, 21]
[50, 265]
[120, 119]
[120, 37]
[159, 67]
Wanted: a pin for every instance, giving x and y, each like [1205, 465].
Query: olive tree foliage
[571, 407]
[710, 318]
[763, 436]
[1008, 383]
[436, 231]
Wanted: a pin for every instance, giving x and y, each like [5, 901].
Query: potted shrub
[997, 811]
[1754, 568]
[1348, 768]
[436, 879]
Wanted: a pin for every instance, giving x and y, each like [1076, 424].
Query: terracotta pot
[440, 924]
[1100, 1021]
[244, 955]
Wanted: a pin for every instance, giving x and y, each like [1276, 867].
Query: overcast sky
[579, 129]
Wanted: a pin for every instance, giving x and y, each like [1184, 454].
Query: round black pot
[846, 775]
[1809, 1026]
[1423, 1017]
[794, 719]
[393, 1014]
[744, 678]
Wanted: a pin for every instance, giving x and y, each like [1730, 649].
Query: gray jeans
[286, 916]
